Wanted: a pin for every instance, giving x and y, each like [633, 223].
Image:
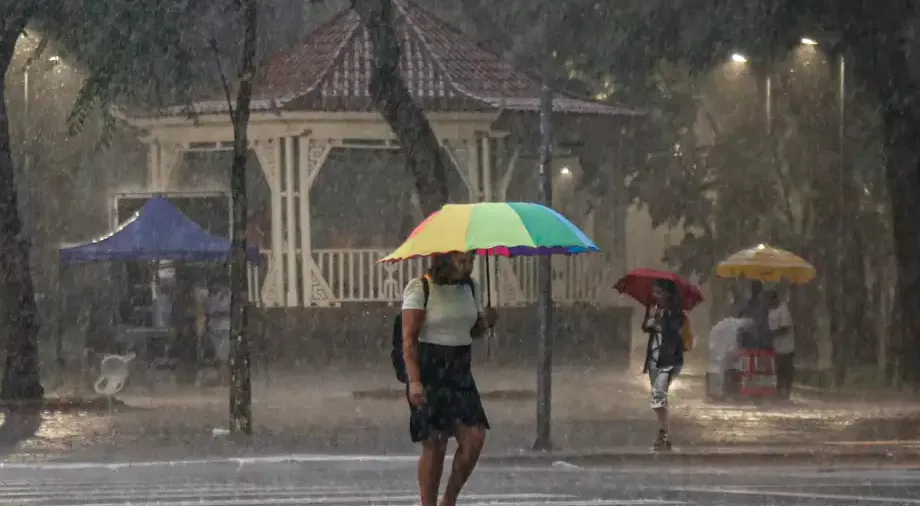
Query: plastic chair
[113, 374]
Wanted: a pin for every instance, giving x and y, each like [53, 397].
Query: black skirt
[451, 393]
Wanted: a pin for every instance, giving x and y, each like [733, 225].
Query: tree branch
[215, 51]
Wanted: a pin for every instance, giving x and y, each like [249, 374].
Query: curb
[717, 456]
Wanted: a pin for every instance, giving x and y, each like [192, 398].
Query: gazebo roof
[444, 70]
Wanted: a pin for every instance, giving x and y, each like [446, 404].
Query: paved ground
[391, 482]
[594, 411]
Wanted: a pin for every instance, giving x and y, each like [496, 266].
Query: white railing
[575, 278]
[353, 275]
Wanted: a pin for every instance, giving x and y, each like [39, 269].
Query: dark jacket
[668, 323]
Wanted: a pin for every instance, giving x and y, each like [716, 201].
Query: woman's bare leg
[662, 415]
[470, 441]
[430, 468]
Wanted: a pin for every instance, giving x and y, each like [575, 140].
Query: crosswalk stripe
[229, 495]
[216, 494]
[171, 493]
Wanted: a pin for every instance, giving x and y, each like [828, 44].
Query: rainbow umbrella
[494, 228]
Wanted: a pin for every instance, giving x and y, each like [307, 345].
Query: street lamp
[565, 171]
[739, 58]
[809, 41]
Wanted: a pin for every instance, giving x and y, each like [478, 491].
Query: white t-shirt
[452, 311]
[778, 318]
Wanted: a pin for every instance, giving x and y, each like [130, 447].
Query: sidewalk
[600, 415]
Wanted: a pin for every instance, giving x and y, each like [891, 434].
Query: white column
[313, 155]
[162, 160]
[290, 244]
[487, 196]
[267, 152]
[153, 165]
[306, 244]
[171, 155]
[486, 167]
[274, 182]
[472, 164]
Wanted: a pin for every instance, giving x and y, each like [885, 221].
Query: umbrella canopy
[494, 228]
[638, 285]
[766, 263]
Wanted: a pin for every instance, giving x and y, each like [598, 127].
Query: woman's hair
[441, 268]
[673, 301]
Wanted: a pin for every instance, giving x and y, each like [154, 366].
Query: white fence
[353, 275]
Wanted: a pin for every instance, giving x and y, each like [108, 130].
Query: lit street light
[565, 171]
[739, 58]
[809, 42]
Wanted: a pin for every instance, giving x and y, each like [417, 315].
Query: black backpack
[396, 353]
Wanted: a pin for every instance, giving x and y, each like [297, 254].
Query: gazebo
[312, 97]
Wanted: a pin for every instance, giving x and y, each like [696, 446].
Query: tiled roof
[444, 70]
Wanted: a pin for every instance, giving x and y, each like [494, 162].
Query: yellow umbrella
[766, 263]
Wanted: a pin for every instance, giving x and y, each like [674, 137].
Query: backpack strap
[426, 289]
[469, 282]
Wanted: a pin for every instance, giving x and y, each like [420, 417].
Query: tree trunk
[240, 353]
[885, 68]
[419, 143]
[21, 380]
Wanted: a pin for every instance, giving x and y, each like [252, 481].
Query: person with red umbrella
[665, 296]
[664, 355]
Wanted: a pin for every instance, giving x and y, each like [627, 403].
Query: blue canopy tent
[158, 231]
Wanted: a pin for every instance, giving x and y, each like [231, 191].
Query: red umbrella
[638, 285]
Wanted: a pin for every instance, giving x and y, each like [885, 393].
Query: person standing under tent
[218, 309]
[779, 319]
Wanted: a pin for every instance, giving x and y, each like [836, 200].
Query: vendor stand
[157, 238]
[752, 354]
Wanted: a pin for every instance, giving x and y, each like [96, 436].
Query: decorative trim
[267, 153]
[321, 293]
[462, 167]
[317, 152]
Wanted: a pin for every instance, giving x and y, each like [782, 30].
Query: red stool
[758, 373]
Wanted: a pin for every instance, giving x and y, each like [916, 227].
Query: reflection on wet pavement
[590, 412]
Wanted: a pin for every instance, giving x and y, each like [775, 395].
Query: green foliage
[129, 50]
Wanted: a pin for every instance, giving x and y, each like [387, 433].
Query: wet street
[593, 410]
[390, 481]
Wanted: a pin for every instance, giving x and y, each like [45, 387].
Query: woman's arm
[412, 320]
[479, 328]
[645, 324]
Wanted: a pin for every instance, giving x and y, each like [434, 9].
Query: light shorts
[660, 379]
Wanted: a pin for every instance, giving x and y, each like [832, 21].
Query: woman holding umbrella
[664, 356]
[441, 313]
[670, 295]
[438, 329]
